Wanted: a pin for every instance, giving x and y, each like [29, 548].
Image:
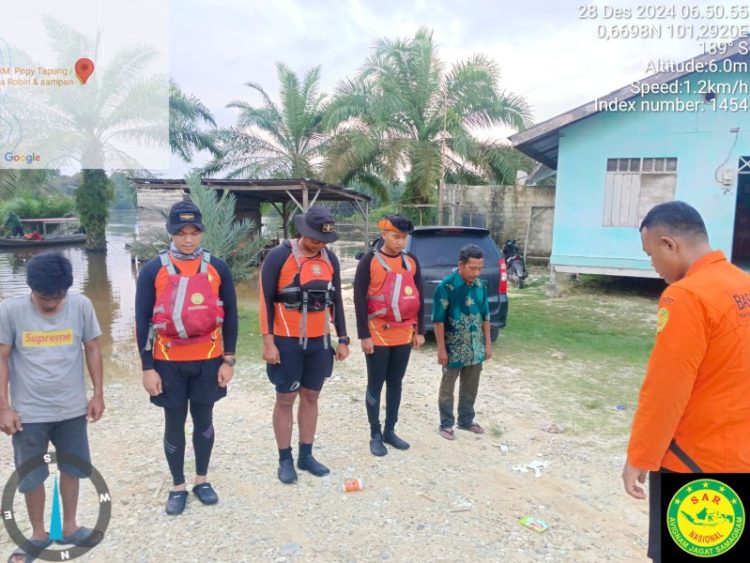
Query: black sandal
[176, 502]
[205, 493]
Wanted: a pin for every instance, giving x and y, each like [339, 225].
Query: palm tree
[93, 199]
[186, 115]
[13, 182]
[404, 116]
[283, 140]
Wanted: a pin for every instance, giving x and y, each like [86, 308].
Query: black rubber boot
[376, 445]
[309, 463]
[286, 472]
[390, 438]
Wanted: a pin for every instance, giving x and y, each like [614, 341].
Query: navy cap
[184, 213]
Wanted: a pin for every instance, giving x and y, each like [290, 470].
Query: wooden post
[285, 219]
[305, 198]
[367, 225]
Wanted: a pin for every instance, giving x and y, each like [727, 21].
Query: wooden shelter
[286, 196]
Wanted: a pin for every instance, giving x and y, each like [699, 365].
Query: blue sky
[544, 50]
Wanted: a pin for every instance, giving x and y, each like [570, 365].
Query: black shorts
[306, 368]
[195, 380]
[68, 436]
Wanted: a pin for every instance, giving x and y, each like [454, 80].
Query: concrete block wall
[151, 201]
[505, 211]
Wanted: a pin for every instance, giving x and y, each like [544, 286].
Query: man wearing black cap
[389, 303]
[300, 294]
[186, 326]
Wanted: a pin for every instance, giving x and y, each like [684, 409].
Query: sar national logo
[662, 319]
[706, 518]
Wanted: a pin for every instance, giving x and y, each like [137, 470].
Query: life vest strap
[684, 458]
[205, 261]
[167, 262]
[379, 256]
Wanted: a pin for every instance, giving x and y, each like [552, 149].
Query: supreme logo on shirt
[40, 338]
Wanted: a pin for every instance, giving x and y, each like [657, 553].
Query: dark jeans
[467, 394]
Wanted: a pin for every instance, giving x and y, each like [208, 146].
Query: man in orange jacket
[693, 412]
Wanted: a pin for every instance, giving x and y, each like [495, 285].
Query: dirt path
[438, 501]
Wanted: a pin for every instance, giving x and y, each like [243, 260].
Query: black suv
[437, 248]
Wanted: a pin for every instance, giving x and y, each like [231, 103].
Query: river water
[108, 279]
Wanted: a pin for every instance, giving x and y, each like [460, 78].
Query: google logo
[29, 158]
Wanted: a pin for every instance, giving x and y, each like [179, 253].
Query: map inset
[84, 84]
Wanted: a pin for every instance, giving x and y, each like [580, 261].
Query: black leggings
[387, 364]
[174, 438]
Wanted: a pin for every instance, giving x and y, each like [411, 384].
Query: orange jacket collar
[705, 260]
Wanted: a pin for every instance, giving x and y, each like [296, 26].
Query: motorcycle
[514, 262]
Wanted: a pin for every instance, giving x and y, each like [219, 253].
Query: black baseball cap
[318, 223]
[184, 213]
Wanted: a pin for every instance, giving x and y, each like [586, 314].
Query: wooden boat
[54, 231]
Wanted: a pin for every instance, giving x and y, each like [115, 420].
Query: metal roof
[273, 190]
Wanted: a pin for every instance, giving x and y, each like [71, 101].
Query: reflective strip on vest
[167, 263]
[206, 260]
[396, 295]
[181, 293]
[396, 287]
[179, 301]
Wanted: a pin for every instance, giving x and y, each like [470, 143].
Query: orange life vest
[397, 299]
[187, 310]
[311, 290]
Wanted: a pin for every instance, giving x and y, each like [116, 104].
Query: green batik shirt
[462, 308]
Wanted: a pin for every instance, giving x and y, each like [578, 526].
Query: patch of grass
[583, 354]
[582, 326]
[593, 404]
[496, 431]
[249, 340]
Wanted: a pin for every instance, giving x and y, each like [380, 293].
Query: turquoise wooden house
[682, 133]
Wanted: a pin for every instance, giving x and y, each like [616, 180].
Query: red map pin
[84, 68]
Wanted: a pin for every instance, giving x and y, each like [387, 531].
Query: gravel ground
[438, 501]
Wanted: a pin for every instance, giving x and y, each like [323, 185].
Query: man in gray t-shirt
[44, 337]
